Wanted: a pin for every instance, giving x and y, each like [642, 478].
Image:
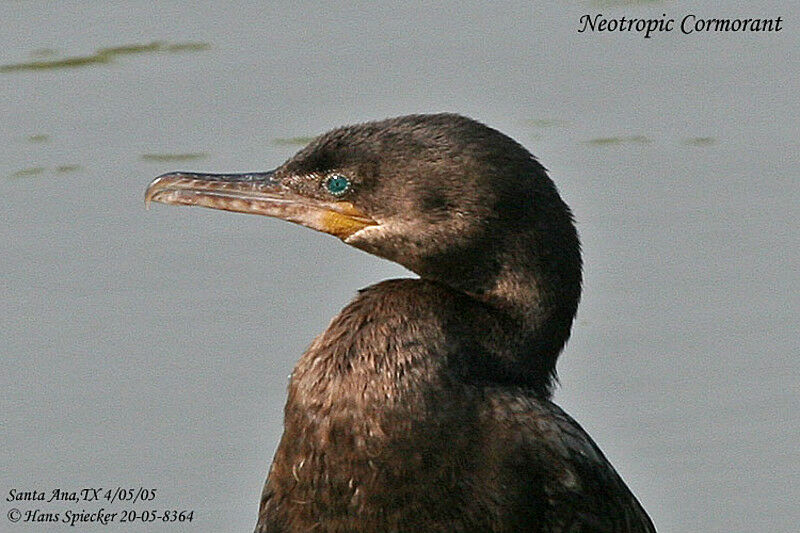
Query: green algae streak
[700, 141]
[615, 141]
[163, 158]
[28, 172]
[105, 56]
[544, 122]
[292, 141]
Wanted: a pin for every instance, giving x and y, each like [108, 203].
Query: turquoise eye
[337, 185]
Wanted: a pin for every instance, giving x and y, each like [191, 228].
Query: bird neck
[532, 284]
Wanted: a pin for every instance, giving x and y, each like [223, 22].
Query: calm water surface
[152, 348]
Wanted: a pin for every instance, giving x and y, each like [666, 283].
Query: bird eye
[337, 184]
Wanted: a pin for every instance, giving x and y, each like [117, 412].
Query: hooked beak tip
[160, 184]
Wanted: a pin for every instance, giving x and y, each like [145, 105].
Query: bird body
[425, 405]
[387, 430]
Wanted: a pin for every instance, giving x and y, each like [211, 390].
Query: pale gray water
[151, 348]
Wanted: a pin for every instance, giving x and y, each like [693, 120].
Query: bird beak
[260, 194]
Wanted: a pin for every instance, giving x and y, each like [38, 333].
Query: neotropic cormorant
[425, 405]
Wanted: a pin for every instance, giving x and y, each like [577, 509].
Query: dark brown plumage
[425, 404]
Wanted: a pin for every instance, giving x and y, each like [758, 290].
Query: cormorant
[425, 405]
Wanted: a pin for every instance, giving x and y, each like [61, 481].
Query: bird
[426, 405]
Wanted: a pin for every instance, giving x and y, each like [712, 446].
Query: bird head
[439, 194]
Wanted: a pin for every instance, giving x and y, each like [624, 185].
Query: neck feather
[533, 278]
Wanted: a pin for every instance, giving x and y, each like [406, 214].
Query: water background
[151, 348]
